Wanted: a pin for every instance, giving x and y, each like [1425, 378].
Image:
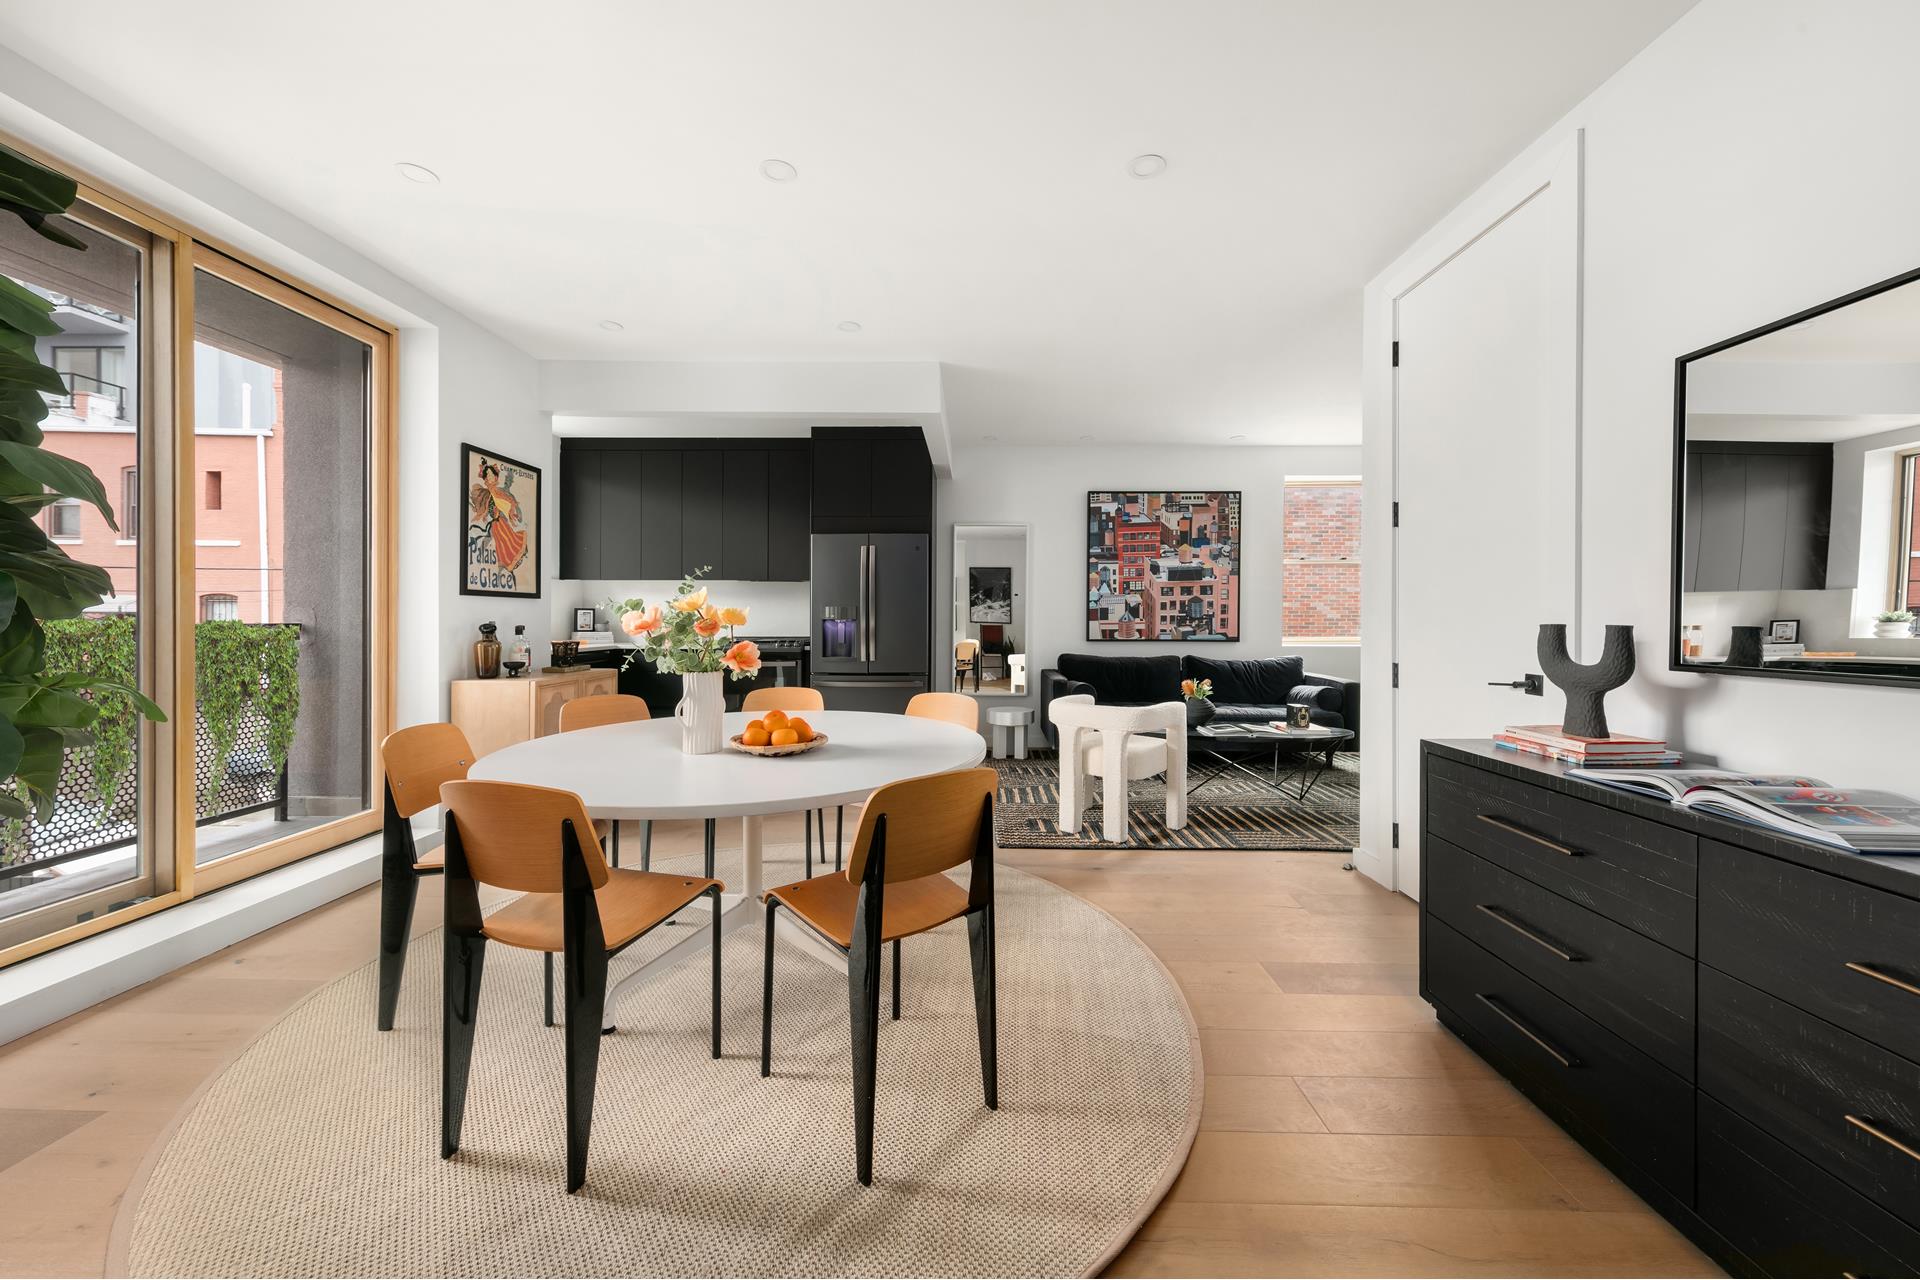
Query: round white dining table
[637, 771]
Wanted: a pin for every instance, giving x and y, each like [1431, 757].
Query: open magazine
[1858, 821]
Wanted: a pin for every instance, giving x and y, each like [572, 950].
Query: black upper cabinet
[580, 539]
[702, 493]
[871, 480]
[655, 510]
[1757, 516]
[743, 516]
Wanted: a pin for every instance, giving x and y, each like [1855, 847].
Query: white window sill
[216, 542]
[1337, 642]
[38, 992]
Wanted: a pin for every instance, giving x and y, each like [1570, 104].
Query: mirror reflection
[990, 609]
[1800, 548]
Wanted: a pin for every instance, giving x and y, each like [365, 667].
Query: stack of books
[1770, 649]
[1548, 740]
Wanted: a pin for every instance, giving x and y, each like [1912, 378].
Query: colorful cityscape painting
[1163, 564]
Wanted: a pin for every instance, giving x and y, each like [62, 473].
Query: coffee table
[1229, 746]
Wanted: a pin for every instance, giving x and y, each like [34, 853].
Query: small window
[63, 520]
[1320, 552]
[219, 608]
[213, 490]
[129, 502]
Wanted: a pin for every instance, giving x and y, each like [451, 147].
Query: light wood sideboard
[500, 712]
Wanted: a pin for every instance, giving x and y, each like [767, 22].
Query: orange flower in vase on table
[692, 602]
[641, 622]
[743, 658]
[708, 623]
[733, 617]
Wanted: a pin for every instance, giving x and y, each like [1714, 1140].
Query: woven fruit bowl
[791, 749]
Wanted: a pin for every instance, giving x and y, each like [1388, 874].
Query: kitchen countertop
[621, 644]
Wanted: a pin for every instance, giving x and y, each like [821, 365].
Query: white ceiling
[963, 190]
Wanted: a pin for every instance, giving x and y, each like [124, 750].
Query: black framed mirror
[1796, 503]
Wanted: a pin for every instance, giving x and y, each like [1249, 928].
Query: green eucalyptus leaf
[25, 181]
[64, 476]
[23, 309]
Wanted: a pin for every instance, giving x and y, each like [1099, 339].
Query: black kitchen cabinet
[1758, 514]
[743, 516]
[872, 480]
[655, 510]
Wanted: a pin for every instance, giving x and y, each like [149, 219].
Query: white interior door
[1486, 421]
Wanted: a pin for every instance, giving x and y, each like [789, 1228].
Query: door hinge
[1396, 354]
[1396, 835]
[1396, 675]
[1396, 515]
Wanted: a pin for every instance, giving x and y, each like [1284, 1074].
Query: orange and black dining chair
[895, 885]
[416, 761]
[793, 697]
[954, 708]
[591, 712]
[539, 842]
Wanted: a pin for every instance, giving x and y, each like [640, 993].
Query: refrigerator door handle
[866, 554]
[873, 601]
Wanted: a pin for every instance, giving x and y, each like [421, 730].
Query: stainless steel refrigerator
[872, 619]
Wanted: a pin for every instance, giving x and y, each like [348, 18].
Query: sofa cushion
[1324, 697]
[1264, 682]
[1138, 678]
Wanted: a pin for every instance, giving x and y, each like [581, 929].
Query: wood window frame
[167, 562]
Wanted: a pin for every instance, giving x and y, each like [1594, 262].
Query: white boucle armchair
[1121, 745]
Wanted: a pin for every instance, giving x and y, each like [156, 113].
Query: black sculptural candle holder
[1586, 685]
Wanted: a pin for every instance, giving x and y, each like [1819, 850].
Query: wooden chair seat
[911, 906]
[630, 903]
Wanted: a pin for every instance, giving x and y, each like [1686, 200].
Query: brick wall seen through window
[1320, 585]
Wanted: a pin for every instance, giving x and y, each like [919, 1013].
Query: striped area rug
[1230, 812]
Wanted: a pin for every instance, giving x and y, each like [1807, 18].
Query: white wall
[1748, 164]
[1045, 488]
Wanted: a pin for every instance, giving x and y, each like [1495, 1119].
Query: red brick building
[1321, 583]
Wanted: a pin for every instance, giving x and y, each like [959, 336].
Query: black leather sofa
[1251, 691]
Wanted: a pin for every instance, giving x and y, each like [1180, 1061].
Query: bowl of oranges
[777, 734]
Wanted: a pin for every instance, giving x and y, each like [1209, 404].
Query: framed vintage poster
[1163, 564]
[990, 594]
[500, 525]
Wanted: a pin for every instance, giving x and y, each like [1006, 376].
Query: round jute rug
[315, 1152]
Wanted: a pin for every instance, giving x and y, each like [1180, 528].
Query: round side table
[1010, 722]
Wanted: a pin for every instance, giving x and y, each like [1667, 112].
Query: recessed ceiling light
[1147, 166]
[1086, 437]
[416, 172]
[778, 171]
[612, 326]
[849, 326]
[989, 437]
[1236, 437]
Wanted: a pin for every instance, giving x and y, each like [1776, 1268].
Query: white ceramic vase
[702, 704]
[1892, 630]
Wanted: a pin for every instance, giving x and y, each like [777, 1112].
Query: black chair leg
[896, 979]
[806, 825]
[646, 845]
[839, 835]
[980, 940]
[766, 998]
[399, 886]
[710, 848]
[863, 1010]
[613, 829]
[819, 819]
[463, 959]
[714, 946]
[586, 987]
[547, 958]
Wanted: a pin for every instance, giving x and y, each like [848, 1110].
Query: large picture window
[239, 425]
[1320, 583]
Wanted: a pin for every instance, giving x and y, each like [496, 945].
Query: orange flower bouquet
[689, 634]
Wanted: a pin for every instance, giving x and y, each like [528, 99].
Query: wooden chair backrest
[963, 650]
[933, 823]
[790, 697]
[954, 708]
[510, 834]
[602, 708]
[418, 759]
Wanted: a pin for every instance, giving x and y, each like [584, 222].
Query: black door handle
[1533, 684]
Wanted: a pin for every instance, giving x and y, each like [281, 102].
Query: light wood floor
[1344, 1132]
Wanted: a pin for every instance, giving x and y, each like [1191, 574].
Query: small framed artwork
[499, 525]
[1784, 631]
[583, 619]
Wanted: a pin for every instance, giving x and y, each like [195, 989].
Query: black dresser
[1727, 1019]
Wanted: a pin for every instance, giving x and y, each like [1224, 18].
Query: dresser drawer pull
[1524, 834]
[1887, 978]
[1873, 1130]
[1507, 920]
[1513, 1020]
